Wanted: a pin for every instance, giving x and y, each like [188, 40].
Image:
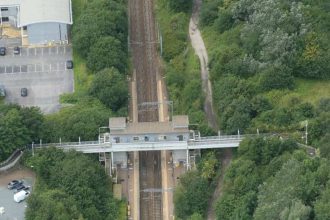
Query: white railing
[223, 141]
[146, 146]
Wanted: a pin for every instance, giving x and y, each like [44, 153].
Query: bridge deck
[202, 143]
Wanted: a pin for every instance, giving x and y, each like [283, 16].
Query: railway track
[143, 44]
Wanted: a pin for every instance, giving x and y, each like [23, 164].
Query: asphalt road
[42, 71]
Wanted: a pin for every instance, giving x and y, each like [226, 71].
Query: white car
[21, 195]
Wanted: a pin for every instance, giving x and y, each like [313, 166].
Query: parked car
[2, 51]
[21, 187]
[20, 196]
[24, 92]
[17, 50]
[14, 184]
[69, 64]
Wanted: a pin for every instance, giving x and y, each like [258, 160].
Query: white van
[21, 195]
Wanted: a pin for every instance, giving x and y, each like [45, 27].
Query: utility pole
[306, 132]
[32, 149]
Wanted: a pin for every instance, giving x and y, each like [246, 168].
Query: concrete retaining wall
[6, 165]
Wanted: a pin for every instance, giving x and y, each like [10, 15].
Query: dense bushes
[70, 186]
[107, 52]
[259, 47]
[192, 194]
[182, 70]
[271, 179]
[100, 38]
[81, 120]
[18, 126]
[100, 34]
[110, 87]
[180, 5]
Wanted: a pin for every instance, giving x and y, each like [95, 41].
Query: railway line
[142, 40]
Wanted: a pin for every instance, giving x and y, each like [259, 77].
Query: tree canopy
[110, 87]
[19, 126]
[70, 186]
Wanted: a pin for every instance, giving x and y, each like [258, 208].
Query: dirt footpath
[18, 172]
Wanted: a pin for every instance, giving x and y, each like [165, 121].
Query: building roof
[118, 126]
[180, 121]
[8, 3]
[117, 123]
[38, 11]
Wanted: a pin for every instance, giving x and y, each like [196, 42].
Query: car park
[2, 51]
[14, 184]
[69, 64]
[24, 92]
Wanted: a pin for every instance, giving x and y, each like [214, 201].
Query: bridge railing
[201, 140]
[64, 144]
[223, 137]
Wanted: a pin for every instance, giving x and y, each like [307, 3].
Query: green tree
[110, 87]
[276, 78]
[191, 196]
[13, 133]
[296, 210]
[81, 120]
[107, 52]
[99, 19]
[51, 204]
[276, 195]
[322, 210]
[32, 120]
[180, 5]
[208, 165]
[324, 145]
[196, 216]
[80, 178]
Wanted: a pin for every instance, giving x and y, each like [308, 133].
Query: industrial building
[39, 22]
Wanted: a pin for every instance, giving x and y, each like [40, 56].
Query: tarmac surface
[42, 71]
[14, 210]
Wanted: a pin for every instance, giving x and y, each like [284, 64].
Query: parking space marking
[40, 51]
[9, 69]
[16, 69]
[37, 67]
[2, 69]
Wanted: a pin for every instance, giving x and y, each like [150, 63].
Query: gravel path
[225, 162]
[199, 47]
